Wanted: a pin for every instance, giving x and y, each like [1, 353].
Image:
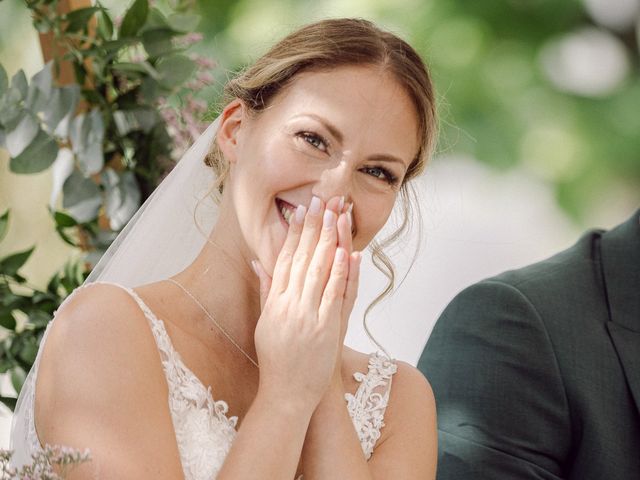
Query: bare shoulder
[409, 385]
[408, 445]
[100, 370]
[411, 395]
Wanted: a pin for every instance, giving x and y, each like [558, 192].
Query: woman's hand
[306, 305]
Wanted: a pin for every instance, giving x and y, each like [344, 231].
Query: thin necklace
[226, 334]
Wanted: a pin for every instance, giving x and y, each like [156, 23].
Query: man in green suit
[536, 372]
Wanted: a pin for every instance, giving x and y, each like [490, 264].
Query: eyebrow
[333, 130]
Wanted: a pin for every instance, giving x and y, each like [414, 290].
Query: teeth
[286, 213]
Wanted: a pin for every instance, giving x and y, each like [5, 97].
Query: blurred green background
[550, 87]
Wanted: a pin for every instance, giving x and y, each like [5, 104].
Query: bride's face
[350, 132]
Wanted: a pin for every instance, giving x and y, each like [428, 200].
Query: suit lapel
[620, 257]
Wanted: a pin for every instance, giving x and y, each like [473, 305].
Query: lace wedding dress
[203, 430]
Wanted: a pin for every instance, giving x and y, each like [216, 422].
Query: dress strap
[367, 406]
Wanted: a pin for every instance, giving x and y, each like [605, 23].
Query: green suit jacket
[536, 372]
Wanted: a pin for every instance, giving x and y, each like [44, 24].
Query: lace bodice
[204, 432]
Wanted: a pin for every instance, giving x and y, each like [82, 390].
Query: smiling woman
[315, 144]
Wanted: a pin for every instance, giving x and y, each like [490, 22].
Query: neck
[222, 279]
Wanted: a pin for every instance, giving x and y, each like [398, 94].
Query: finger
[265, 281]
[318, 272]
[351, 289]
[344, 233]
[282, 269]
[306, 246]
[333, 295]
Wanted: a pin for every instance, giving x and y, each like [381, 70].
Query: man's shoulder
[574, 268]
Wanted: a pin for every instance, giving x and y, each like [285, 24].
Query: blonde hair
[329, 44]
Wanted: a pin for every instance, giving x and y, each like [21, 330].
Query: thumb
[265, 281]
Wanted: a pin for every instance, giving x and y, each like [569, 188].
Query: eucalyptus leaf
[11, 109]
[43, 80]
[61, 109]
[143, 68]
[90, 154]
[134, 18]
[8, 321]
[142, 119]
[10, 265]
[183, 22]
[19, 82]
[79, 19]
[4, 80]
[91, 159]
[38, 156]
[123, 198]
[105, 25]
[155, 19]
[18, 376]
[35, 101]
[95, 133]
[158, 42]
[81, 197]
[62, 168]
[4, 224]
[78, 132]
[63, 220]
[29, 350]
[18, 139]
[38, 318]
[175, 70]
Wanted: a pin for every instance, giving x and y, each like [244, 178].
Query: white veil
[161, 239]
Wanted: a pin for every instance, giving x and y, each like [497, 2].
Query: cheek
[370, 219]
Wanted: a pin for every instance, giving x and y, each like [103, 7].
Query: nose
[334, 181]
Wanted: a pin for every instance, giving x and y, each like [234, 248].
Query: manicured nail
[329, 219]
[340, 254]
[314, 207]
[341, 204]
[349, 216]
[254, 265]
[300, 211]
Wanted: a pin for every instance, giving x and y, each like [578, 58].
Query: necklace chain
[226, 334]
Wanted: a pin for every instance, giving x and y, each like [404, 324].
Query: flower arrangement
[109, 137]
[42, 466]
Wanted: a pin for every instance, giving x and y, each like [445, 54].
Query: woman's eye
[314, 140]
[381, 173]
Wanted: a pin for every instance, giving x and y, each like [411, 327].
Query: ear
[231, 120]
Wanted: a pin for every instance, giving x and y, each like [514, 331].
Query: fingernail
[300, 211]
[340, 254]
[329, 219]
[255, 267]
[314, 207]
[350, 220]
[341, 204]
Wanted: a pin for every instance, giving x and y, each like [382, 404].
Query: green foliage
[18, 299]
[106, 125]
[105, 136]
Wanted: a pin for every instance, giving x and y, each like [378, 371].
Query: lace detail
[204, 432]
[368, 404]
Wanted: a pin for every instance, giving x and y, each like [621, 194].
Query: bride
[221, 355]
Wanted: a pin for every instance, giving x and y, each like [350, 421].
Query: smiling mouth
[287, 211]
